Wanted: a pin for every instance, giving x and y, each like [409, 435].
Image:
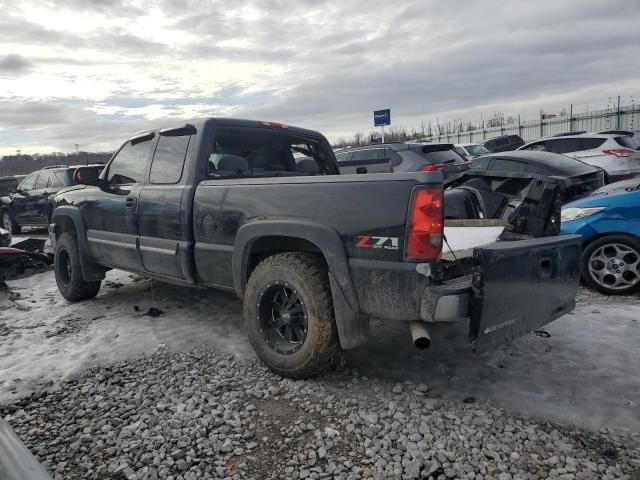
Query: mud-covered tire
[625, 258]
[9, 223]
[68, 271]
[306, 275]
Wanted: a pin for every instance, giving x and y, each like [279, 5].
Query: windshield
[476, 149]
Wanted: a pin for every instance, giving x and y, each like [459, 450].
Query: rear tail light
[619, 152]
[432, 168]
[425, 227]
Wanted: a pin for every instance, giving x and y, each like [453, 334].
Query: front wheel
[68, 271]
[611, 264]
[289, 315]
[9, 224]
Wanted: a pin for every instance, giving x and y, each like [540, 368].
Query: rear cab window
[264, 152]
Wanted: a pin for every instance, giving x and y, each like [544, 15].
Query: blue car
[609, 222]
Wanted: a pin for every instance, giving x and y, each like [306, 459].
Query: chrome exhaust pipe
[420, 335]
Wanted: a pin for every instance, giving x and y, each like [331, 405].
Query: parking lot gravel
[196, 415]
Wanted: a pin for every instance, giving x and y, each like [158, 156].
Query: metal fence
[624, 117]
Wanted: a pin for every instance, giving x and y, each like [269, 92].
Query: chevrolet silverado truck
[260, 209]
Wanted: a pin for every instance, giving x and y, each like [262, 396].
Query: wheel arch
[260, 239]
[68, 219]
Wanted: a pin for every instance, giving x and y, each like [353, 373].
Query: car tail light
[425, 227]
[432, 168]
[619, 152]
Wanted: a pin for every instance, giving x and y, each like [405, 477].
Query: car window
[130, 162]
[460, 151]
[168, 159]
[476, 150]
[28, 183]
[262, 152]
[440, 154]
[591, 143]
[566, 145]
[504, 165]
[368, 154]
[393, 156]
[536, 147]
[627, 142]
[42, 181]
[343, 156]
[63, 177]
[480, 164]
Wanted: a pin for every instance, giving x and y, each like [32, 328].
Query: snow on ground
[585, 373]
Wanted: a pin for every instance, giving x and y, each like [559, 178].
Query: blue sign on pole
[382, 117]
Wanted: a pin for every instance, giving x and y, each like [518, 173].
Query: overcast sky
[95, 71]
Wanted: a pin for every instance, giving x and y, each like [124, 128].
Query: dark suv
[504, 143]
[30, 204]
[402, 157]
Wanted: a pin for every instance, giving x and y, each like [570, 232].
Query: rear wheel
[289, 315]
[611, 264]
[68, 271]
[9, 224]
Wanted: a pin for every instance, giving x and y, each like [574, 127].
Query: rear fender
[65, 216]
[352, 326]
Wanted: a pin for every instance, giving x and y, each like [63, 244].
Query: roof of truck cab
[200, 123]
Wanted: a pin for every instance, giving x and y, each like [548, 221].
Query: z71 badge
[369, 241]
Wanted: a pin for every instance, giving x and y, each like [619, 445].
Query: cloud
[13, 65]
[92, 72]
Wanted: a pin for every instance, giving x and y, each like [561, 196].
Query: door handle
[361, 170]
[131, 202]
[546, 268]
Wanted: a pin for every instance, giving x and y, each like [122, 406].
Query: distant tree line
[430, 129]
[20, 164]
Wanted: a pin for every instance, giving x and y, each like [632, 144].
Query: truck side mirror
[86, 176]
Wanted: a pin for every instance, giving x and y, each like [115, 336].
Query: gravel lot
[90, 403]
[202, 415]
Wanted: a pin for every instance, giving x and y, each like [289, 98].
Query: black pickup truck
[259, 208]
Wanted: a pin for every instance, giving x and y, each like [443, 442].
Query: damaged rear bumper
[507, 290]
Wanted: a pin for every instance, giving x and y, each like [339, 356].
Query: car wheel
[289, 315]
[611, 264]
[68, 272]
[9, 224]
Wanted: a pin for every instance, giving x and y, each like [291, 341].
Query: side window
[343, 156]
[591, 143]
[168, 160]
[502, 165]
[566, 145]
[480, 164]
[396, 159]
[28, 183]
[460, 151]
[364, 155]
[129, 164]
[42, 181]
[536, 147]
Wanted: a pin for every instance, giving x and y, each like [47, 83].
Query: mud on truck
[260, 209]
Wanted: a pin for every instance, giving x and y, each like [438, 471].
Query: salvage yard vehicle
[260, 208]
[31, 203]
[581, 178]
[9, 184]
[609, 223]
[402, 157]
[616, 154]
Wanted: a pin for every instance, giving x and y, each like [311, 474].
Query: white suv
[615, 154]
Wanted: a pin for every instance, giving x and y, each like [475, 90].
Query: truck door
[164, 212]
[111, 214]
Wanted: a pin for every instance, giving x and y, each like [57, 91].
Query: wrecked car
[22, 259]
[260, 209]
